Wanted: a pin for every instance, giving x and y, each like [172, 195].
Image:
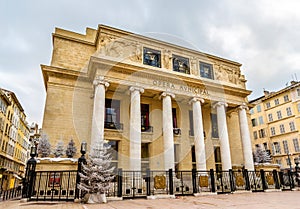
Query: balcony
[113, 125]
[147, 129]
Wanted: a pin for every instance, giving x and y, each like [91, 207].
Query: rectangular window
[191, 118]
[251, 111]
[298, 92]
[273, 133]
[286, 98]
[276, 101]
[279, 116]
[258, 108]
[296, 145]
[145, 157]
[285, 147]
[112, 114]
[270, 116]
[181, 64]
[261, 133]
[145, 122]
[265, 145]
[298, 107]
[113, 151]
[277, 148]
[254, 122]
[282, 129]
[292, 126]
[255, 134]
[288, 111]
[214, 124]
[268, 104]
[218, 162]
[261, 120]
[206, 70]
[152, 57]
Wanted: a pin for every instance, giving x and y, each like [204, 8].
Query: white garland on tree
[44, 147]
[97, 174]
[59, 150]
[261, 156]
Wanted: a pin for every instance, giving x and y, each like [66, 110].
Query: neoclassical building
[158, 105]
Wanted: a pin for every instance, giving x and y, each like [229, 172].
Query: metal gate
[54, 185]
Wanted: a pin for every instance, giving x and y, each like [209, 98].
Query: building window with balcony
[288, 111]
[282, 129]
[270, 116]
[206, 70]
[152, 57]
[296, 145]
[276, 148]
[276, 101]
[279, 116]
[176, 130]
[145, 122]
[181, 64]
[112, 114]
[292, 126]
[214, 124]
[273, 133]
[285, 146]
[286, 98]
[268, 104]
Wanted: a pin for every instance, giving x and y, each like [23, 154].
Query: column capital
[135, 88]
[167, 93]
[196, 99]
[218, 104]
[243, 106]
[100, 80]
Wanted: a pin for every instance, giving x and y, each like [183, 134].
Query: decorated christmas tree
[261, 156]
[71, 149]
[97, 174]
[44, 147]
[59, 150]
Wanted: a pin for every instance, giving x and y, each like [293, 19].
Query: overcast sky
[262, 35]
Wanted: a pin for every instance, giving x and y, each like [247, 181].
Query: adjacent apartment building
[14, 140]
[276, 124]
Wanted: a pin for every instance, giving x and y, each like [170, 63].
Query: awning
[17, 176]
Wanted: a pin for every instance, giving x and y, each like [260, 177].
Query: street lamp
[290, 163]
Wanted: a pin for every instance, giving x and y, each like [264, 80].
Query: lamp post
[81, 161]
[28, 181]
[290, 163]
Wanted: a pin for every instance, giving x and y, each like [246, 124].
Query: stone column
[198, 134]
[223, 136]
[167, 121]
[246, 140]
[97, 133]
[135, 129]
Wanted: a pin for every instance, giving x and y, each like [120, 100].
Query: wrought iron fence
[54, 185]
[10, 193]
[61, 185]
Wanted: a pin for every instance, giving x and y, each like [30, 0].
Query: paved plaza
[287, 199]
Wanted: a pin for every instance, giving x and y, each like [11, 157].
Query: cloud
[263, 35]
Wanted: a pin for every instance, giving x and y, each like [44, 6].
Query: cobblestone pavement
[274, 200]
